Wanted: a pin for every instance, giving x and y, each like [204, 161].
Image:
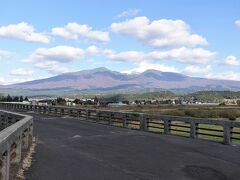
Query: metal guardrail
[15, 136]
[225, 131]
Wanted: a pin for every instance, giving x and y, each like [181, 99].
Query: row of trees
[9, 98]
[62, 101]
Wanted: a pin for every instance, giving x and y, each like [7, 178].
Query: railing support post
[5, 165]
[78, 114]
[87, 114]
[143, 122]
[227, 134]
[167, 126]
[25, 139]
[110, 118]
[193, 130]
[124, 120]
[16, 152]
[97, 115]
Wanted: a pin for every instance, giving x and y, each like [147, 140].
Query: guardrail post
[143, 122]
[78, 113]
[56, 111]
[110, 118]
[16, 151]
[45, 110]
[87, 114]
[226, 134]
[167, 126]
[30, 135]
[25, 139]
[5, 121]
[61, 112]
[193, 129]
[124, 120]
[97, 115]
[5, 165]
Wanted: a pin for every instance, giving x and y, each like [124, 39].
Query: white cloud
[159, 33]
[134, 56]
[75, 31]
[53, 67]
[237, 23]
[53, 60]
[62, 54]
[182, 55]
[231, 61]
[128, 13]
[2, 80]
[92, 50]
[141, 67]
[22, 31]
[229, 75]
[185, 55]
[22, 72]
[5, 54]
[197, 69]
[13, 80]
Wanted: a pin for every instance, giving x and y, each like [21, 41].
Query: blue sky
[44, 38]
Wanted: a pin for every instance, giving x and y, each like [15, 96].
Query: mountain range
[102, 79]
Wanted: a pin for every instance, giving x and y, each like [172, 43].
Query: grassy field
[201, 111]
[205, 131]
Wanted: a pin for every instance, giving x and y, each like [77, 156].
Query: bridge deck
[72, 149]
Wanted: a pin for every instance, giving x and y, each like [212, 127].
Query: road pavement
[72, 149]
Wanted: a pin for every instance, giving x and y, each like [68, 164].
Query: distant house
[86, 100]
[25, 102]
[117, 104]
[45, 102]
[70, 103]
[42, 102]
[34, 102]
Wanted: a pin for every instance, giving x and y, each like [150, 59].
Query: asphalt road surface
[71, 149]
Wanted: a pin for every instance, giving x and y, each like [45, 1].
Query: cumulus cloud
[141, 67]
[197, 69]
[53, 60]
[75, 31]
[92, 50]
[22, 72]
[128, 13]
[5, 54]
[182, 55]
[23, 31]
[2, 80]
[228, 75]
[6, 80]
[237, 23]
[63, 54]
[231, 61]
[53, 67]
[159, 33]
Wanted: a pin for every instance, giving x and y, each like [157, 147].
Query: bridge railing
[15, 136]
[220, 130]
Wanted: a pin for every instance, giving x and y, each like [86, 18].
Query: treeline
[63, 101]
[142, 96]
[214, 96]
[9, 98]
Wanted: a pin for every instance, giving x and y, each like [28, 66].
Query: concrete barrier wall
[225, 131]
[15, 136]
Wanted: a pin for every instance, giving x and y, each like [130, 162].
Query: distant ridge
[104, 79]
